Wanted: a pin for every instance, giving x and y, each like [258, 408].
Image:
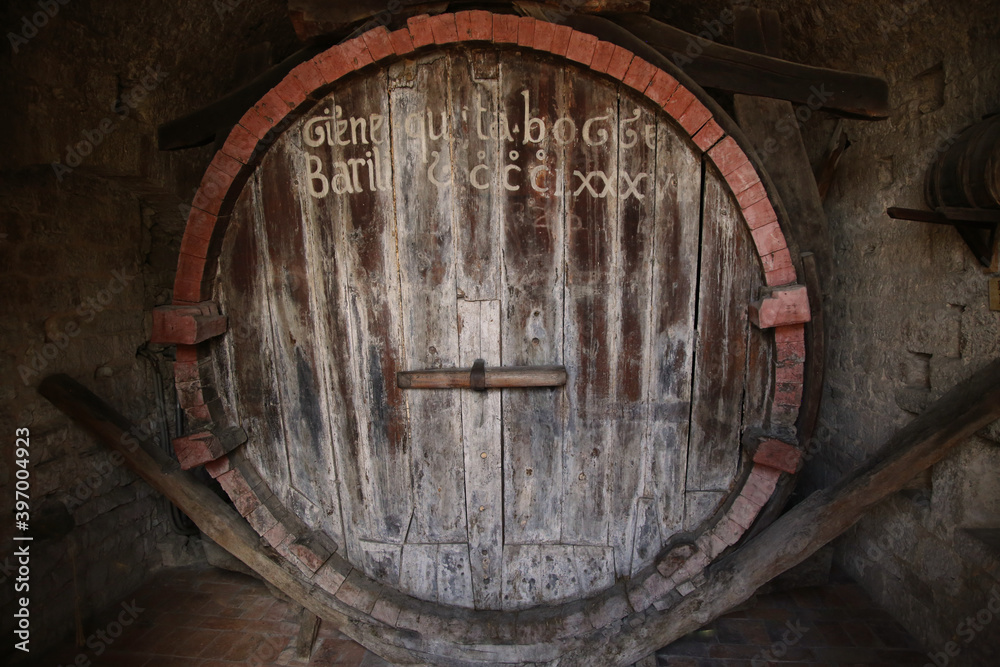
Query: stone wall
[907, 307]
[87, 248]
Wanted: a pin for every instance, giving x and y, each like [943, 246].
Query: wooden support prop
[976, 226]
[495, 377]
[187, 325]
[308, 629]
[210, 513]
[785, 305]
[817, 520]
[735, 70]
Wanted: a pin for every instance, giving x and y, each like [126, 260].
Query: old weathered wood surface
[213, 516]
[479, 203]
[950, 421]
[736, 70]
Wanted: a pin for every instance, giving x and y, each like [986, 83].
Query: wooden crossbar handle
[497, 377]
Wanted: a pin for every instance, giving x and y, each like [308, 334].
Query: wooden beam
[306, 637]
[497, 377]
[212, 515]
[814, 522]
[783, 155]
[735, 70]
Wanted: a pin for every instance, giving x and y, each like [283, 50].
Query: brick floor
[837, 624]
[206, 617]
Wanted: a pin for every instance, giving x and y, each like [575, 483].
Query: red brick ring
[532, 634]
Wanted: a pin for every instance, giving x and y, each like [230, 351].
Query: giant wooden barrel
[480, 186]
[966, 171]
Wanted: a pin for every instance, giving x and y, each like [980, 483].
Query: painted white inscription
[431, 137]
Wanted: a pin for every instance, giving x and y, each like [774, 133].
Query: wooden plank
[814, 522]
[254, 383]
[297, 353]
[422, 178]
[720, 359]
[738, 71]
[479, 332]
[532, 305]
[671, 344]
[593, 311]
[633, 275]
[372, 302]
[380, 560]
[324, 221]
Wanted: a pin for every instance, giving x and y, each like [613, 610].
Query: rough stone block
[603, 53]
[474, 25]
[752, 194]
[443, 28]
[679, 102]
[187, 325]
[661, 87]
[387, 611]
[785, 305]
[544, 32]
[240, 144]
[619, 63]
[332, 574]
[639, 74]
[743, 512]
[525, 31]
[709, 135]
[402, 42]
[358, 592]
[742, 177]
[674, 559]
[778, 455]
[308, 76]
[759, 214]
[239, 491]
[769, 238]
[728, 156]
[560, 40]
[505, 28]
[197, 449]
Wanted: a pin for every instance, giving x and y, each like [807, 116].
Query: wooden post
[808, 526]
